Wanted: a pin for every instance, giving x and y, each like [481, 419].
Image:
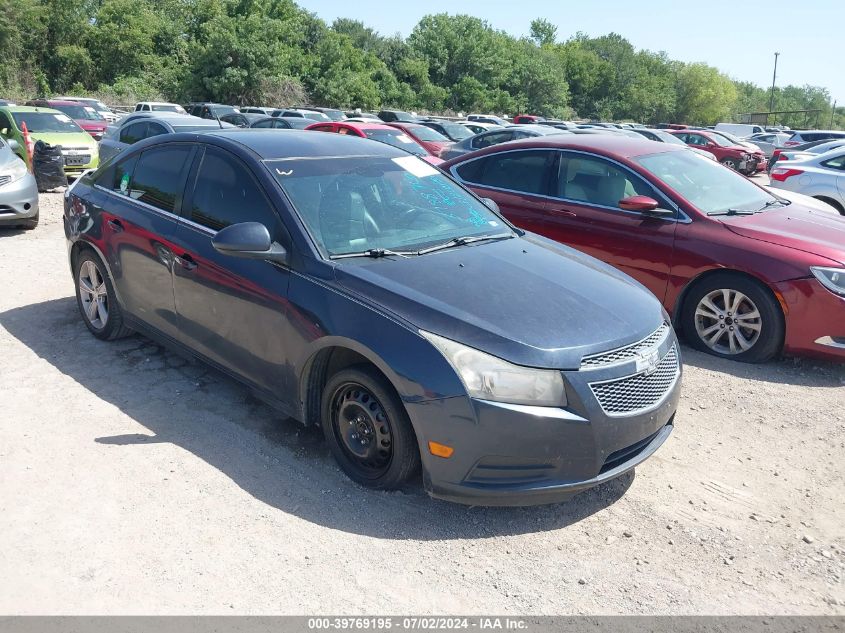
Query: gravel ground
[133, 481]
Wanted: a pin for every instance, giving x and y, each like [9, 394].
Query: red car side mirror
[638, 203]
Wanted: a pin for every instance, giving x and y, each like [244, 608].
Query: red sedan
[382, 132]
[430, 139]
[737, 157]
[85, 116]
[745, 274]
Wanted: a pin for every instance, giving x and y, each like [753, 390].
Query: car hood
[95, 126]
[66, 139]
[528, 300]
[795, 226]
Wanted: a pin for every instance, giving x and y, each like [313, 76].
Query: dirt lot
[133, 481]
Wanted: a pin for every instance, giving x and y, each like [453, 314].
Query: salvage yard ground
[134, 481]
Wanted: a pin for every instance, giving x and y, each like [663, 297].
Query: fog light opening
[27, 206]
[440, 450]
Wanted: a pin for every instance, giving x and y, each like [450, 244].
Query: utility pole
[774, 77]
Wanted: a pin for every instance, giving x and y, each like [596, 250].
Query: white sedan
[821, 176]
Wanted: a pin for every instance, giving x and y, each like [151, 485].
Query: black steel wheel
[368, 430]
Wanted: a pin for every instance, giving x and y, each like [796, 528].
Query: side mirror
[644, 204]
[491, 204]
[249, 240]
[14, 145]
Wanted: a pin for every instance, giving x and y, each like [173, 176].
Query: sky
[739, 38]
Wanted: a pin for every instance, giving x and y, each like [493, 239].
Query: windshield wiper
[734, 212]
[772, 203]
[375, 253]
[460, 241]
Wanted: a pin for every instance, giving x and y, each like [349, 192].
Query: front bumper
[815, 319]
[18, 200]
[515, 455]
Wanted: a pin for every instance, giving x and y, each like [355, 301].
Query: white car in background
[768, 142]
[159, 106]
[821, 176]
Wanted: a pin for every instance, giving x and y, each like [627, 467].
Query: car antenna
[217, 118]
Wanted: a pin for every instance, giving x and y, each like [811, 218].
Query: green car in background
[80, 151]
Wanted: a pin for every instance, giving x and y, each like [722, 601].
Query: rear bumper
[815, 322]
[517, 455]
[18, 200]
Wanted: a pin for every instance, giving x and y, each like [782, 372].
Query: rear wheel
[96, 299]
[368, 430]
[733, 317]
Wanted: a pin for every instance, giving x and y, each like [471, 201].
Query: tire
[361, 412]
[730, 163]
[94, 288]
[711, 327]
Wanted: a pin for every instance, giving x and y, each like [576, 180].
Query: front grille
[624, 354]
[638, 393]
[4, 180]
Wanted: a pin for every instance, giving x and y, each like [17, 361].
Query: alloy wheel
[728, 321]
[94, 294]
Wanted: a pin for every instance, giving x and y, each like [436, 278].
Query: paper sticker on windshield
[89, 109]
[403, 138]
[62, 117]
[124, 184]
[415, 166]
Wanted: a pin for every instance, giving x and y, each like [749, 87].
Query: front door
[584, 212]
[233, 311]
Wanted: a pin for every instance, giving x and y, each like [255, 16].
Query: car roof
[360, 125]
[58, 102]
[32, 109]
[270, 145]
[608, 144]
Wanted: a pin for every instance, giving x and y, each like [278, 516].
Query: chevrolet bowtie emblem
[648, 361]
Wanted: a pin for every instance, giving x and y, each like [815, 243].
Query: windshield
[167, 107]
[427, 134]
[667, 138]
[397, 138]
[723, 141]
[356, 203]
[37, 122]
[456, 131]
[704, 183]
[825, 147]
[80, 112]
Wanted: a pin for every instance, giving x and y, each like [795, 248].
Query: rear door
[518, 180]
[584, 212]
[231, 310]
[139, 198]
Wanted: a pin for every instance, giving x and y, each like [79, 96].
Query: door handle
[568, 213]
[115, 225]
[185, 261]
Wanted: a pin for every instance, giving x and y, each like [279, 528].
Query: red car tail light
[782, 173]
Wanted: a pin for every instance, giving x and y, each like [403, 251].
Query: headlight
[17, 171]
[832, 278]
[490, 378]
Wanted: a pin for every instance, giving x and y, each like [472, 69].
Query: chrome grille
[624, 354]
[5, 180]
[635, 394]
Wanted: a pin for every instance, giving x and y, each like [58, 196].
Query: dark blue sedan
[358, 288]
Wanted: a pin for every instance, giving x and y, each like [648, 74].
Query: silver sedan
[821, 176]
[18, 190]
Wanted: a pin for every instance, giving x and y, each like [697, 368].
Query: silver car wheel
[94, 295]
[728, 322]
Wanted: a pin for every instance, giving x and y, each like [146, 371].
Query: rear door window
[133, 133]
[158, 179]
[523, 171]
